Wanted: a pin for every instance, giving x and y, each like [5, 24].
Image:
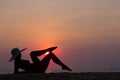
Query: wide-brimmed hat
[15, 52]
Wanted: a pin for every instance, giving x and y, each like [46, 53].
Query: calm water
[58, 71]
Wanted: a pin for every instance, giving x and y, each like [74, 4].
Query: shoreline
[62, 76]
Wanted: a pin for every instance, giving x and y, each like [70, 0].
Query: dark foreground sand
[63, 76]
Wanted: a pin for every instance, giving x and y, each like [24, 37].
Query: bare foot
[64, 67]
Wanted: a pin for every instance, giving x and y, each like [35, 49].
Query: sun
[47, 53]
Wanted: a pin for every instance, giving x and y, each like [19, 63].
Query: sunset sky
[87, 32]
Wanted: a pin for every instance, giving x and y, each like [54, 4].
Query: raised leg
[42, 65]
[35, 54]
[57, 61]
[45, 62]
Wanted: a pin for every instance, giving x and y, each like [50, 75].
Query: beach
[63, 76]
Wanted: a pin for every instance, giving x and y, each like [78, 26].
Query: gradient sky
[87, 32]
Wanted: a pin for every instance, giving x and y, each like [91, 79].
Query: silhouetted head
[16, 54]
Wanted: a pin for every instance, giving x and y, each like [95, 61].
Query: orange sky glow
[87, 32]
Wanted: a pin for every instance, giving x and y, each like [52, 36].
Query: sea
[62, 71]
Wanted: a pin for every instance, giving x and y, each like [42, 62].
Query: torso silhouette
[22, 64]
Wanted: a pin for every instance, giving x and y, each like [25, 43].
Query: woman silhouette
[38, 66]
